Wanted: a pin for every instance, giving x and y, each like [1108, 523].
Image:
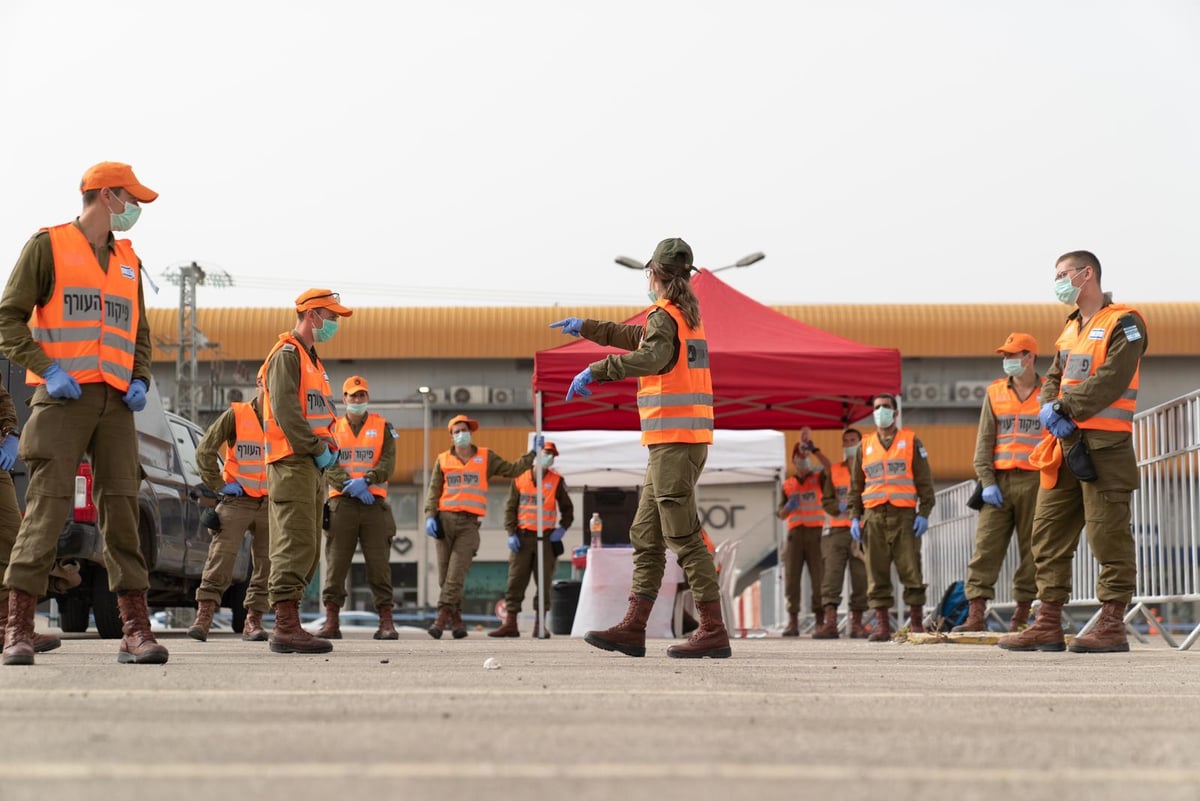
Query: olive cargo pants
[837, 549]
[455, 552]
[297, 502]
[238, 515]
[55, 439]
[1019, 488]
[523, 563]
[803, 546]
[352, 522]
[890, 540]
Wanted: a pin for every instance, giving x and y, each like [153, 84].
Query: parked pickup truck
[170, 501]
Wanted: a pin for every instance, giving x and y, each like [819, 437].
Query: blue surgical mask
[849, 452]
[884, 417]
[125, 220]
[1013, 367]
[356, 408]
[547, 461]
[650, 293]
[326, 331]
[1065, 289]
[462, 438]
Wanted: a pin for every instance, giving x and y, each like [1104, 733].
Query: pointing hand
[569, 325]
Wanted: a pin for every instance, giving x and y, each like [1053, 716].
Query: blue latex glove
[61, 384]
[1054, 422]
[992, 495]
[856, 530]
[539, 442]
[558, 534]
[431, 528]
[325, 459]
[793, 503]
[579, 384]
[135, 396]
[233, 489]
[514, 543]
[357, 488]
[8, 452]
[569, 325]
[841, 507]
[920, 525]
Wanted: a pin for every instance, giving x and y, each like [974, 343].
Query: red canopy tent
[769, 371]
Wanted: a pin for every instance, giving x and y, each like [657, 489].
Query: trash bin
[564, 598]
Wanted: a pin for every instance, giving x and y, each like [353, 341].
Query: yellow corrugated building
[482, 333]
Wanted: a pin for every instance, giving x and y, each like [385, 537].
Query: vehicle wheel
[104, 606]
[235, 599]
[73, 611]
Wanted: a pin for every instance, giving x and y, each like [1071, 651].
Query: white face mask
[547, 461]
[1013, 367]
[884, 417]
[462, 438]
[356, 408]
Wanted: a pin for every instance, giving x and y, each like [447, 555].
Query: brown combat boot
[508, 628]
[252, 630]
[857, 630]
[41, 642]
[539, 633]
[819, 617]
[1020, 616]
[976, 616]
[202, 623]
[289, 638]
[828, 630]
[138, 646]
[628, 636]
[457, 627]
[387, 626]
[441, 624]
[793, 626]
[882, 631]
[332, 628]
[1045, 634]
[711, 639]
[916, 619]
[1107, 636]
[18, 631]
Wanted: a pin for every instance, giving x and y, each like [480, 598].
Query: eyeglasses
[337, 298]
[1068, 271]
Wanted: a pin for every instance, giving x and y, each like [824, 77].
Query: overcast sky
[502, 153]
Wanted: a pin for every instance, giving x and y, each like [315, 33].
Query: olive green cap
[673, 252]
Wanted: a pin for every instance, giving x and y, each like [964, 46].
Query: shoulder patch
[1128, 324]
[924, 454]
[289, 346]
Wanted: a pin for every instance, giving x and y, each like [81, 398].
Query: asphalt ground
[419, 718]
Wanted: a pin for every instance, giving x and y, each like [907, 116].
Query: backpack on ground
[952, 611]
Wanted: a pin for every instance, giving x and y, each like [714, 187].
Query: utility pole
[188, 387]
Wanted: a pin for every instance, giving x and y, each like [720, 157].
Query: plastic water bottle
[597, 529]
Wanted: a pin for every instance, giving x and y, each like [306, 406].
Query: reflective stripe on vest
[889, 475]
[678, 406]
[359, 453]
[1018, 427]
[809, 513]
[1082, 352]
[527, 511]
[245, 462]
[315, 399]
[464, 486]
[89, 324]
[840, 475]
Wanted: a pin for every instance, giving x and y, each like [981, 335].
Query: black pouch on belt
[976, 500]
[1079, 461]
[325, 517]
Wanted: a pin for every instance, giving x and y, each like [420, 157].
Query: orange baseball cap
[462, 418]
[322, 299]
[115, 175]
[1018, 342]
[550, 448]
[355, 383]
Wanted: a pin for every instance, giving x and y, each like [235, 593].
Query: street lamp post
[744, 261]
[426, 396]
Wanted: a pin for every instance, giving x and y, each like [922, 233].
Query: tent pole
[541, 528]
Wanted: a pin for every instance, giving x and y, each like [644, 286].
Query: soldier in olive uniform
[73, 314]
[454, 511]
[520, 514]
[1088, 402]
[359, 511]
[837, 548]
[890, 500]
[10, 512]
[242, 508]
[298, 415]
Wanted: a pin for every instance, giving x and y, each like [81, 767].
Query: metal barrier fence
[1165, 522]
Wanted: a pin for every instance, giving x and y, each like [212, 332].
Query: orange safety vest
[359, 453]
[244, 462]
[1018, 427]
[89, 325]
[809, 512]
[527, 511]
[678, 406]
[315, 398]
[464, 486]
[840, 475]
[889, 473]
[1080, 354]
